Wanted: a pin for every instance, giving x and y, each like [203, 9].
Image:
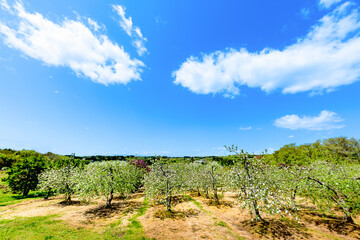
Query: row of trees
[262, 188]
[98, 179]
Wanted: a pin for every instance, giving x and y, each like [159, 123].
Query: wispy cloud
[328, 3]
[305, 12]
[134, 32]
[71, 44]
[326, 120]
[326, 58]
[93, 24]
[4, 5]
[245, 128]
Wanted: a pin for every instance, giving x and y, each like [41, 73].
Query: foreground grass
[49, 227]
[10, 198]
[45, 228]
[135, 229]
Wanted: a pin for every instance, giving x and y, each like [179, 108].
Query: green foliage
[8, 198]
[63, 180]
[329, 185]
[342, 149]
[335, 150]
[108, 178]
[22, 176]
[6, 160]
[213, 176]
[262, 188]
[163, 181]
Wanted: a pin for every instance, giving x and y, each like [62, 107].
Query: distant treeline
[23, 167]
[332, 150]
[335, 150]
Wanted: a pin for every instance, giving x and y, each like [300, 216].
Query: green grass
[222, 224]
[49, 227]
[46, 228]
[10, 198]
[198, 205]
[135, 230]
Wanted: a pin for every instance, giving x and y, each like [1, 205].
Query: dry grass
[192, 218]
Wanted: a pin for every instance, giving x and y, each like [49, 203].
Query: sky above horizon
[137, 77]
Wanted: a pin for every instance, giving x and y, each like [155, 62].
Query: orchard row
[261, 188]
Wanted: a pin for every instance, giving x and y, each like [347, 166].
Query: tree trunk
[294, 193]
[257, 213]
[339, 200]
[198, 191]
[216, 198]
[252, 194]
[26, 191]
[349, 219]
[207, 194]
[168, 203]
[68, 198]
[48, 194]
[109, 199]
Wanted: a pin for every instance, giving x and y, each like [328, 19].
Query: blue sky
[177, 77]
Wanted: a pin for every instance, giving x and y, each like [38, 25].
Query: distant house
[202, 161]
[258, 156]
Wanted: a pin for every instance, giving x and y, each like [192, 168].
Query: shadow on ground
[333, 223]
[116, 208]
[278, 229]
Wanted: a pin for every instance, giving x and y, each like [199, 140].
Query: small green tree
[193, 177]
[263, 188]
[329, 184]
[165, 180]
[63, 180]
[105, 179]
[23, 175]
[213, 176]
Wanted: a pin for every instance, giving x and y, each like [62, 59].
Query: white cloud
[4, 5]
[291, 136]
[93, 24]
[326, 58]
[134, 32]
[328, 3]
[71, 44]
[326, 120]
[245, 128]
